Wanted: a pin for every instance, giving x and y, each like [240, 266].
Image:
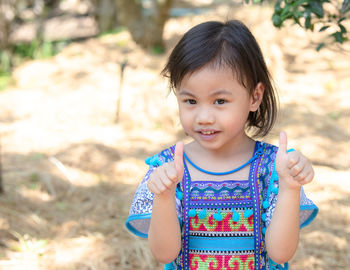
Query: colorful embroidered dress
[223, 223]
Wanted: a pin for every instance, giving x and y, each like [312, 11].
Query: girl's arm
[164, 235]
[282, 235]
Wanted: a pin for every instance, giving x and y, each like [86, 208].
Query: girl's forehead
[208, 79]
[210, 69]
[209, 73]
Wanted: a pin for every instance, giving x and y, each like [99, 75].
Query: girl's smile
[207, 135]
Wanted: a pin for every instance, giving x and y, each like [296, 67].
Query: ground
[70, 169]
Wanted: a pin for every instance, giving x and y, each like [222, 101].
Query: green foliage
[37, 49]
[5, 80]
[297, 10]
[158, 50]
[311, 13]
[116, 30]
[17, 53]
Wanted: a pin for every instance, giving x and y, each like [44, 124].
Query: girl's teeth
[207, 132]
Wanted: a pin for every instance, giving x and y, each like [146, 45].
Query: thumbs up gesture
[293, 168]
[164, 178]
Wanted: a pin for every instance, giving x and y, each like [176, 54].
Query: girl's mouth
[207, 132]
[208, 135]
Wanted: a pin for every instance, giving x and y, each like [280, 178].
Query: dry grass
[70, 171]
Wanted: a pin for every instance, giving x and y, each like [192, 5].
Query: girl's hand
[164, 178]
[293, 168]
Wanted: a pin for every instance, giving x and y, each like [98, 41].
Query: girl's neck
[233, 156]
[239, 147]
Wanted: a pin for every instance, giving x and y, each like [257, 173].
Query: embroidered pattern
[222, 191]
[231, 210]
[227, 224]
[232, 262]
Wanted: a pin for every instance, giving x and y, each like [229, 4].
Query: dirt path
[70, 171]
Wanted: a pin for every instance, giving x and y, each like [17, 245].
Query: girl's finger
[296, 170]
[299, 167]
[152, 188]
[178, 160]
[307, 179]
[163, 182]
[171, 172]
[300, 177]
[283, 143]
[293, 159]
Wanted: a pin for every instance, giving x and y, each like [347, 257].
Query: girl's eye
[190, 101]
[220, 101]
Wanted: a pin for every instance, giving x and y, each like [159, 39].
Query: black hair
[226, 44]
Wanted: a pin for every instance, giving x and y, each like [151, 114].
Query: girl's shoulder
[269, 149]
[269, 152]
[166, 155]
[268, 158]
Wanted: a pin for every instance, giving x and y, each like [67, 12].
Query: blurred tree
[105, 14]
[146, 25]
[320, 15]
[145, 20]
[7, 15]
[11, 16]
[1, 179]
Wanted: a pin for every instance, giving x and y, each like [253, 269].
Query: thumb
[178, 160]
[281, 157]
[283, 143]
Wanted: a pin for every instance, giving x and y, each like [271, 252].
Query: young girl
[224, 200]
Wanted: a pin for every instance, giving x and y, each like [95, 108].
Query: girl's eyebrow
[221, 92]
[216, 93]
[185, 93]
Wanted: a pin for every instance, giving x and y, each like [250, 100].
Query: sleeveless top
[223, 223]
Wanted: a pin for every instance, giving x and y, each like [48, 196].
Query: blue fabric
[132, 228]
[141, 208]
[132, 220]
[169, 266]
[257, 154]
[311, 217]
[224, 243]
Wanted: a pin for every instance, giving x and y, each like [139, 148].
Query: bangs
[214, 44]
[227, 57]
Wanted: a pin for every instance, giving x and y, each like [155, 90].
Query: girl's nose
[205, 116]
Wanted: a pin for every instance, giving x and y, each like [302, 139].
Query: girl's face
[214, 107]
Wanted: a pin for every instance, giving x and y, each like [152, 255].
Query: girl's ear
[257, 97]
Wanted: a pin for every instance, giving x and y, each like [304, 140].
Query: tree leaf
[276, 20]
[300, 2]
[338, 37]
[323, 28]
[342, 28]
[320, 46]
[308, 21]
[317, 8]
[277, 8]
[345, 6]
[341, 19]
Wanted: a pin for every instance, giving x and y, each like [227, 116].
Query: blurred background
[82, 105]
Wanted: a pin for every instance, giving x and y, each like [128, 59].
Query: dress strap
[257, 153]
